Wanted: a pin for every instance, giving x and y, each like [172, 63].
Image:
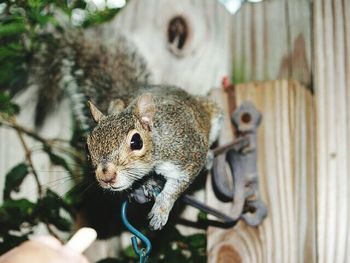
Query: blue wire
[142, 253]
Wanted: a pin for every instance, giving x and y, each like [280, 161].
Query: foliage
[13, 215]
[7, 108]
[23, 24]
[100, 17]
[19, 216]
[14, 179]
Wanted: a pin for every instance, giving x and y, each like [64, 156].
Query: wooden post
[286, 164]
[272, 40]
[332, 96]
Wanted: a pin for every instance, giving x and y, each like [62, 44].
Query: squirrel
[147, 128]
[163, 129]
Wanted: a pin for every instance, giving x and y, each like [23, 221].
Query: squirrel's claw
[159, 216]
[158, 220]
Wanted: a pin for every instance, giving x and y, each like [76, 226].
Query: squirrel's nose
[107, 173]
[109, 178]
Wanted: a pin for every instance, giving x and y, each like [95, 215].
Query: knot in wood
[178, 33]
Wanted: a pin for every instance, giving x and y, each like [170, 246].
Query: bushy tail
[81, 70]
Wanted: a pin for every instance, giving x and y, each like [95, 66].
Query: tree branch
[28, 156]
[49, 143]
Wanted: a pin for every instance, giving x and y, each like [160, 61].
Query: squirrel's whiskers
[164, 130]
[148, 128]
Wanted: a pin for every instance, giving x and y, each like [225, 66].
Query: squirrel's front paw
[159, 215]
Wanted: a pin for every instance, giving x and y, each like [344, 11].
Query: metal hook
[241, 158]
[143, 253]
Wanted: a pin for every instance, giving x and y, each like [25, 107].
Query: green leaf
[202, 216]
[58, 160]
[12, 72]
[36, 4]
[196, 240]
[13, 213]
[49, 208]
[14, 179]
[100, 17]
[130, 253]
[6, 106]
[79, 4]
[11, 50]
[12, 28]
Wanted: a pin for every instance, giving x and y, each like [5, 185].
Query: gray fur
[176, 129]
[176, 145]
[79, 68]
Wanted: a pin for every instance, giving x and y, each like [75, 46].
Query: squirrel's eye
[136, 142]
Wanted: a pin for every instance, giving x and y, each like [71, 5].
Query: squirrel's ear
[146, 110]
[96, 114]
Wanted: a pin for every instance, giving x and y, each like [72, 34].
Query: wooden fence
[291, 58]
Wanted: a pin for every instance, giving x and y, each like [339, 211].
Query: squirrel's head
[120, 146]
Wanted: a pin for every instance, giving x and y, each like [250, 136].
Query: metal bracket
[242, 162]
[238, 185]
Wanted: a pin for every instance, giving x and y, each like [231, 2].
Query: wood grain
[272, 40]
[206, 56]
[304, 148]
[332, 96]
[286, 166]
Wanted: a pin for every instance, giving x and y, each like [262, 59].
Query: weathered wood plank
[332, 96]
[287, 179]
[299, 59]
[272, 40]
[206, 56]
